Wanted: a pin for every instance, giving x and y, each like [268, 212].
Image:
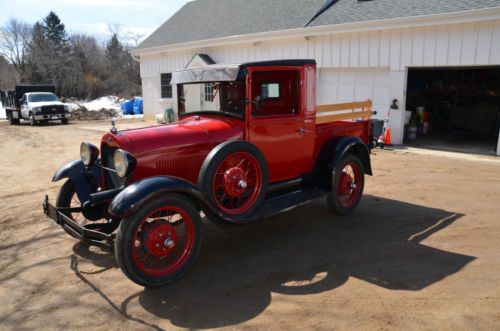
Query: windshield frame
[35, 95]
[240, 116]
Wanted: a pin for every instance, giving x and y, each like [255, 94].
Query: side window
[279, 92]
[166, 88]
[270, 90]
[209, 92]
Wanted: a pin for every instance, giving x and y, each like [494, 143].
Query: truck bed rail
[343, 111]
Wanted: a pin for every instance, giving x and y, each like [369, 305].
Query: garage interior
[454, 109]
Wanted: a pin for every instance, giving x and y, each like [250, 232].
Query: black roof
[275, 63]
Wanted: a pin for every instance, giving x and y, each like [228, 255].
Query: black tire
[12, 120]
[33, 121]
[131, 226]
[334, 200]
[64, 199]
[210, 166]
[65, 121]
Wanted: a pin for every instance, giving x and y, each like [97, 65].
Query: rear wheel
[347, 186]
[12, 120]
[157, 245]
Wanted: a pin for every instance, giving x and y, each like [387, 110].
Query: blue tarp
[127, 107]
[138, 104]
[133, 106]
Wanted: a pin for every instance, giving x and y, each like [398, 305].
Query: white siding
[346, 85]
[393, 50]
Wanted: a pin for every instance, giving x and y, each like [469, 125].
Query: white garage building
[364, 49]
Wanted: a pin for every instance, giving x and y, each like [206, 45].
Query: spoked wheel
[67, 199]
[347, 186]
[234, 178]
[237, 183]
[157, 245]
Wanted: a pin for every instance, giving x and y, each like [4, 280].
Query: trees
[14, 41]
[77, 64]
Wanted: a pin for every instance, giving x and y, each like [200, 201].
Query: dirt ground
[422, 252]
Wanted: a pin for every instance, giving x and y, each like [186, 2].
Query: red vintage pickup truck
[250, 142]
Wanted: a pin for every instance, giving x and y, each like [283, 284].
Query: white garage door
[348, 85]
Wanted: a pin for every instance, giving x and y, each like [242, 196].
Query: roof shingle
[209, 19]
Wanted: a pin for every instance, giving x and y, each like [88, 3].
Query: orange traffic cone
[388, 136]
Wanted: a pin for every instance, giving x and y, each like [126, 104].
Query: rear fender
[135, 196]
[352, 145]
[335, 150]
[85, 179]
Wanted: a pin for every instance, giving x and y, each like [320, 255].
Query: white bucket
[412, 133]
[407, 117]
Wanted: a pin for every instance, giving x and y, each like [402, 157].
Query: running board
[288, 202]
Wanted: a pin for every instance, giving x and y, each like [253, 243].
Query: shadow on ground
[304, 251]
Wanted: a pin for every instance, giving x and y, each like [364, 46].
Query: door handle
[301, 131]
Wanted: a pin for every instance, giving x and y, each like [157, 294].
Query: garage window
[166, 88]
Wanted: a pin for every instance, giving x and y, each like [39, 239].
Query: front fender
[131, 199]
[85, 179]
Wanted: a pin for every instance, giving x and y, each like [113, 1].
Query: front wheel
[347, 186]
[65, 121]
[33, 121]
[157, 245]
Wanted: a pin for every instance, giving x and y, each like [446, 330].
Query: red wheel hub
[163, 241]
[160, 239]
[238, 183]
[346, 184]
[235, 181]
[349, 186]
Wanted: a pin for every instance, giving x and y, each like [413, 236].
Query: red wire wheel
[156, 246]
[234, 178]
[163, 241]
[237, 183]
[347, 186]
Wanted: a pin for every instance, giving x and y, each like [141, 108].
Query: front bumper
[95, 234]
[53, 117]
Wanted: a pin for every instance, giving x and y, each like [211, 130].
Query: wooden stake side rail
[359, 110]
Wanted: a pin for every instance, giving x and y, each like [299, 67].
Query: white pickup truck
[35, 103]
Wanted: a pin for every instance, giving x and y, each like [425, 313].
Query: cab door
[277, 124]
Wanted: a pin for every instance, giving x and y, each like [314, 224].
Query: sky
[93, 16]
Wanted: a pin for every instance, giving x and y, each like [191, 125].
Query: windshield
[42, 97]
[227, 98]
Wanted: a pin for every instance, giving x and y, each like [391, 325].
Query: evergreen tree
[54, 29]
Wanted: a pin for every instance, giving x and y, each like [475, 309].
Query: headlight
[66, 108]
[89, 153]
[37, 109]
[124, 163]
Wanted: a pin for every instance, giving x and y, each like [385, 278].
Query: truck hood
[45, 103]
[207, 131]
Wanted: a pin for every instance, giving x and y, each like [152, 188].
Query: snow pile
[110, 102]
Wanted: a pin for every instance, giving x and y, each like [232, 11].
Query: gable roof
[209, 19]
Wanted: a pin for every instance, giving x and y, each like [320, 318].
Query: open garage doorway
[456, 109]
